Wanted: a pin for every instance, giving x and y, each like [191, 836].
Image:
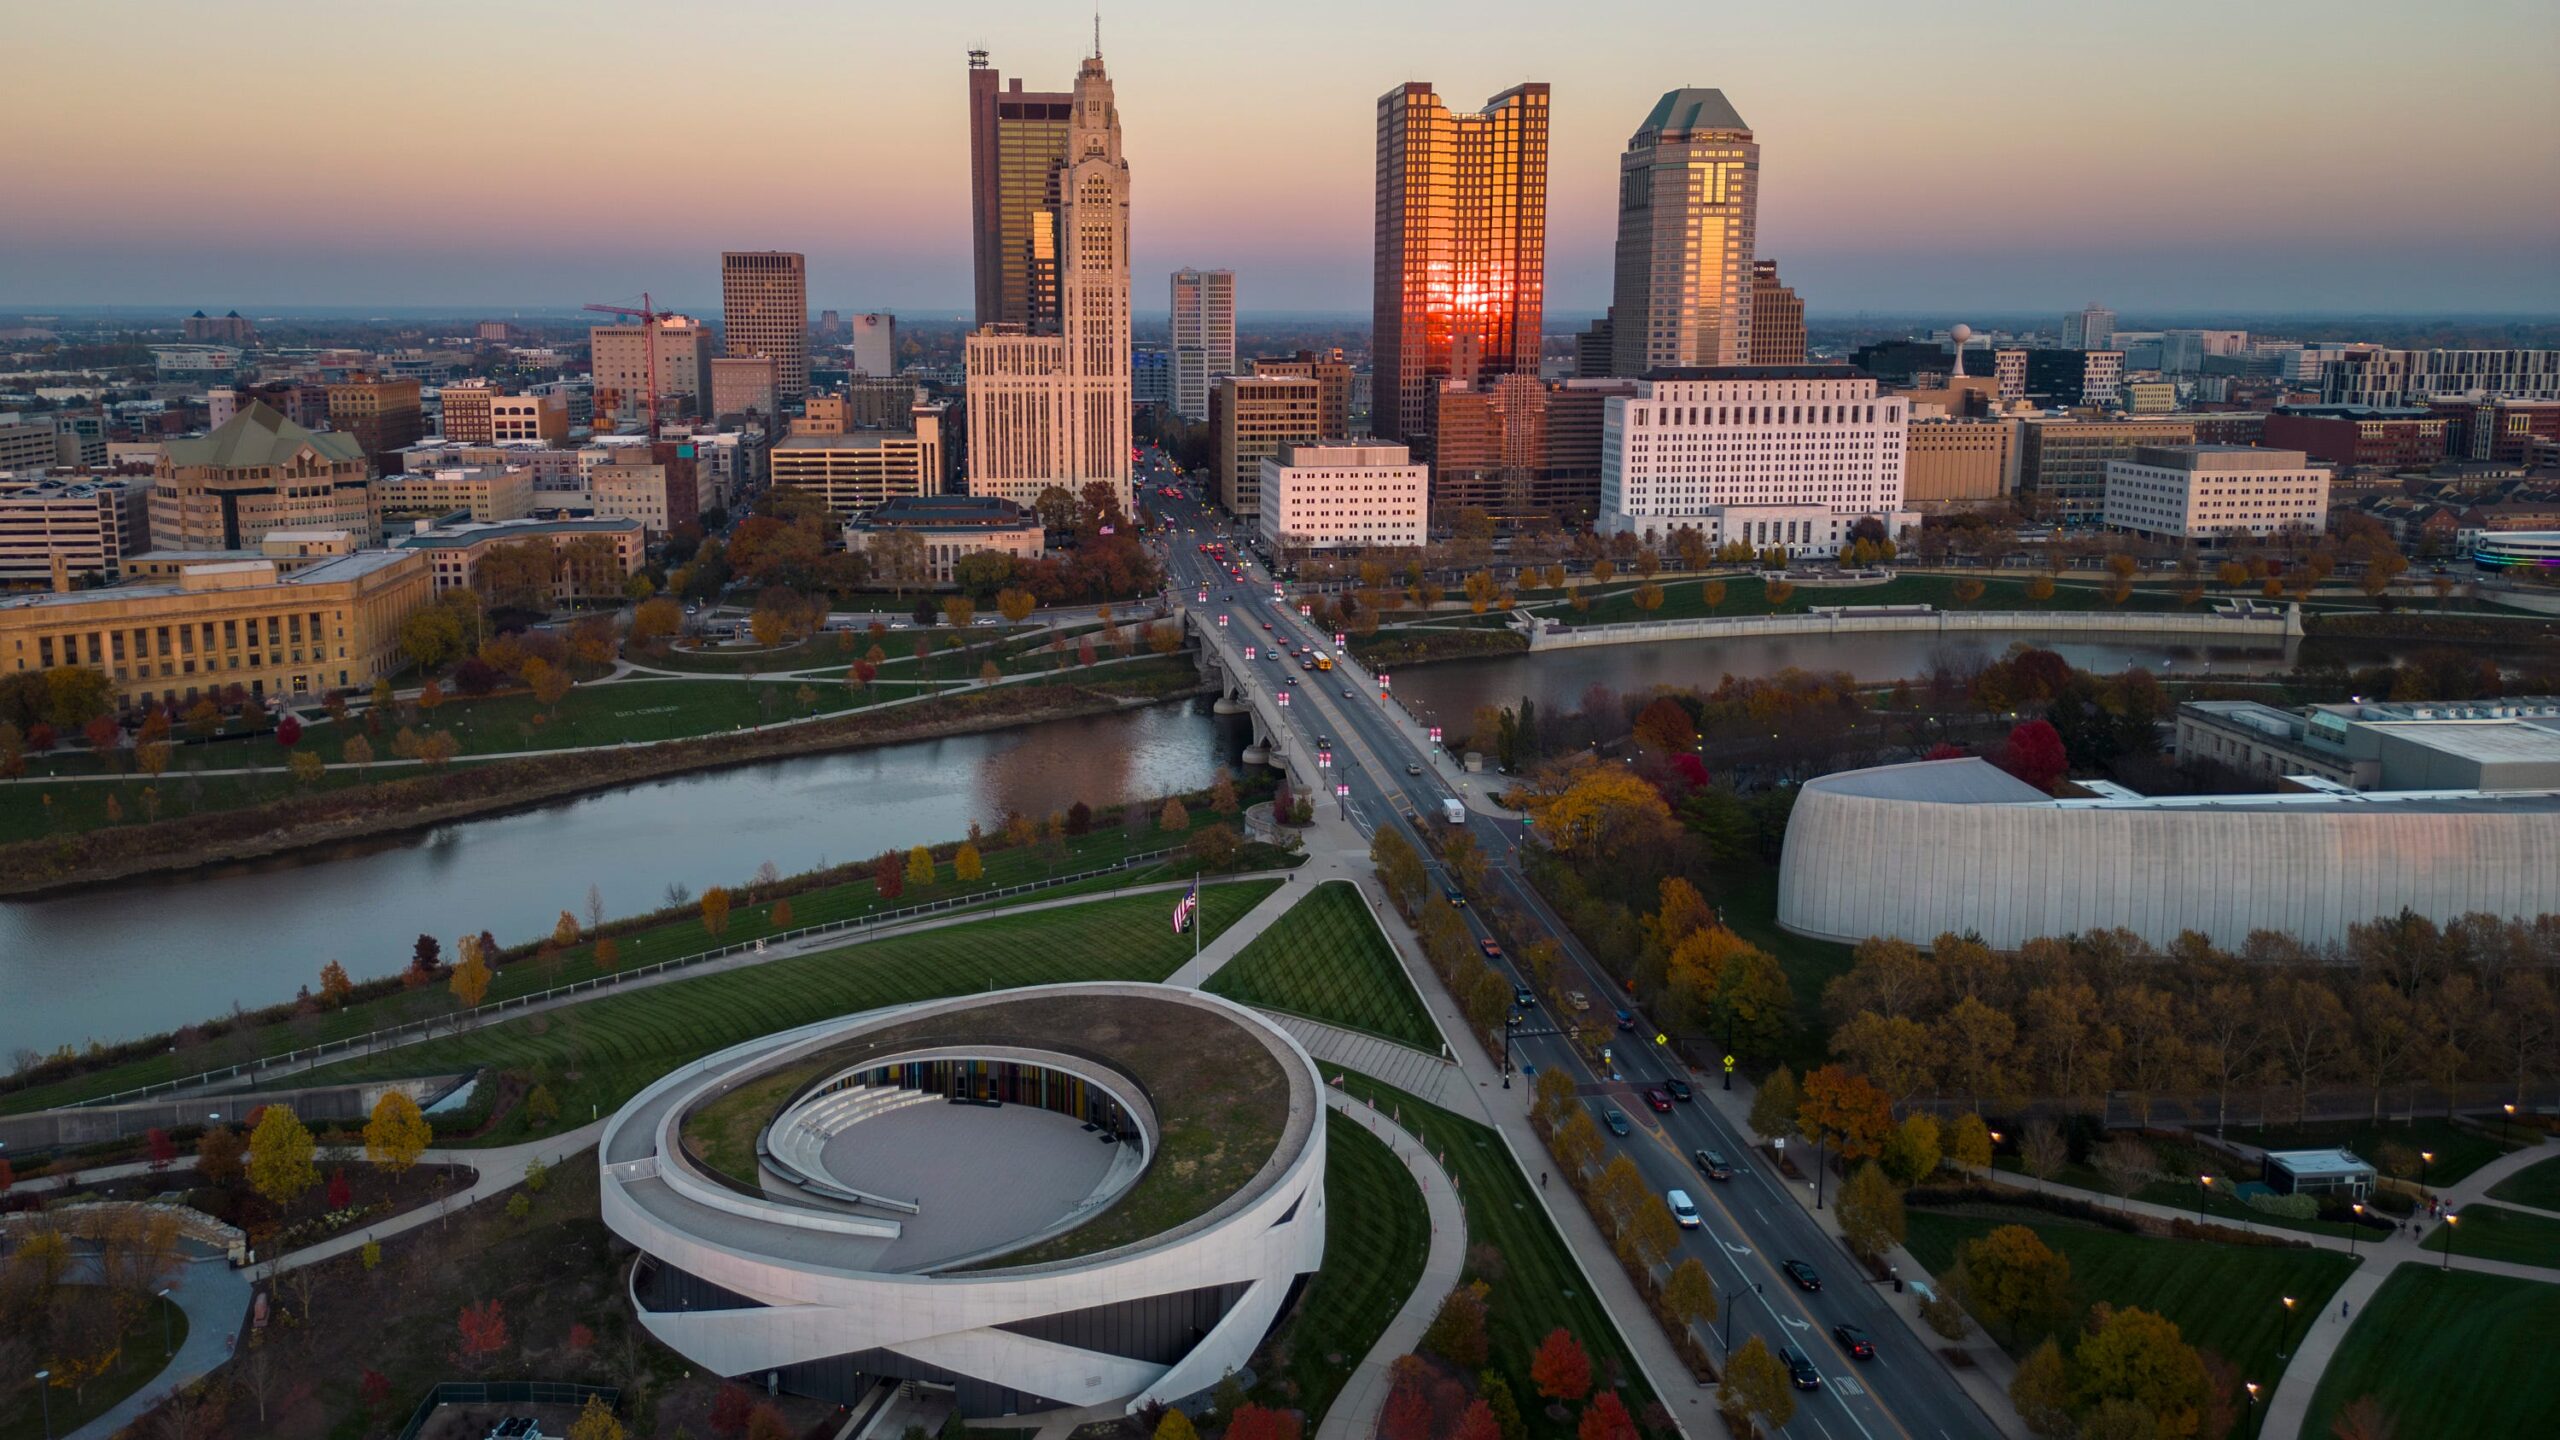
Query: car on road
[1682, 1208]
[1626, 1021]
[1711, 1164]
[1659, 1099]
[1491, 947]
[1805, 1276]
[1616, 1122]
[1410, 768]
[1799, 1368]
[1266, 624]
[1456, 896]
[1577, 1000]
[1854, 1340]
[1349, 694]
[1523, 996]
[1679, 1089]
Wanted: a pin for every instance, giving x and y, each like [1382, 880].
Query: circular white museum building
[1059, 1197]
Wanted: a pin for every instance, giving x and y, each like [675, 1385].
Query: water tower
[1960, 334]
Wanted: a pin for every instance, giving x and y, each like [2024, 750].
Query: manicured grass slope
[138, 1361]
[2537, 1185]
[2494, 1232]
[1325, 960]
[1540, 1287]
[2224, 1298]
[1377, 1233]
[1685, 599]
[599, 1053]
[2449, 1355]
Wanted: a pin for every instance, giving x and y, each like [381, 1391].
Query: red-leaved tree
[1946, 750]
[729, 1411]
[341, 1194]
[1478, 1423]
[1561, 1369]
[374, 1389]
[1607, 1419]
[1252, 1422]
[289, 731]
[1408, 1411]
[483, 1328]
[161, 1148]
[889, 875]
[2034, 754]
[580, 1338]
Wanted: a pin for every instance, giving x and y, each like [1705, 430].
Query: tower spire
[1097, 32]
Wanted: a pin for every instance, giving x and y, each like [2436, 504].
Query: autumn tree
[1254, 1422]
[1870, 1213]
[2041, 1150]
[1912, 1152]
[1713, 594]
[1606, 1419]
[715, 911]
[1015, 605]
[1967, 590]
[1773, 1109]
[595, 1422]
[1689, 1294]
[397, 1134]
[1756, 1389]
[481, 1329]
[280, 1150]
[1175, 1426]
[470, 980]
[2042, 1391]
[1845, 1111]
[2016, 1280]
[1561, 1369]
[1173, 819]
[335, 987]
[2137, 1356]
[1665, 728]
[966, 866]
[218, 1152]
[920, 869]
[1457, 1332]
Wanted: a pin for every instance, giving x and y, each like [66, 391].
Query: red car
[1492, 950]
[1659, 1099]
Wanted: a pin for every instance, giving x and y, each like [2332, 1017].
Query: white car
[1682, 1209]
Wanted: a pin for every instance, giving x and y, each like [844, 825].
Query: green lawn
[1377, 1233]
[2458, 1150]
[1325, 960]
[597, 1054]
[669, 939]
[138, 1361]
[2537, 1185]
[2493, 1232]
[1746, 595]
[2448, 1355]
[1539, 1287]
[632, 710]
[2224, 1298]
[2176, 1188]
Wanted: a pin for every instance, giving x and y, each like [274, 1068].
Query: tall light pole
[168, 1347]
[2352, 1227]
[44, 1392]
[2284, 1336]
[2507, 1126]
[2201, 1182]
[2425, 1159]
[2449, 1222]
[2252, 1388]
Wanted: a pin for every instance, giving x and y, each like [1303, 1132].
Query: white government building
[1941, 847]
[1774, 456]
[2210, 492]
[1329, 494]
[1063, 1196]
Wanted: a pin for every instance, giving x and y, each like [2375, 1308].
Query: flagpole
[1195, 914]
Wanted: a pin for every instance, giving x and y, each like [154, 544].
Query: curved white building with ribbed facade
[1958, 846]
[1059, 1197]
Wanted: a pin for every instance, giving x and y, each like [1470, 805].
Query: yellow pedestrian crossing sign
[1661, 1039]
[1728, 1064]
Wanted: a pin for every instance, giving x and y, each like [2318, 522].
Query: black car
[1679, 1090]
[1617, 1124]
[1799, 1368]
[1854, 1340]
[1804, 1275]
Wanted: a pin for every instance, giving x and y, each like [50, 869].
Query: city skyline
[1919, 122]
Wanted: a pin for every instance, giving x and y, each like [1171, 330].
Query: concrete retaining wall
[90, 1219]
[1645, 632]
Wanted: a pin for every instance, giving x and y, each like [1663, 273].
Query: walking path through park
[215, 1299]
[1354, 1414]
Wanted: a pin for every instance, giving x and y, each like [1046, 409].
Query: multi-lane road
[1749, 1226]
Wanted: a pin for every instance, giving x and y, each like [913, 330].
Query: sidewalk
[215, 1299]
[1354, 1413]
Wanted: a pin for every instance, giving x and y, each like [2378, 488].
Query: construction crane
[648, 315]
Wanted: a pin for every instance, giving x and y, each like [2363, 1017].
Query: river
[147, 955]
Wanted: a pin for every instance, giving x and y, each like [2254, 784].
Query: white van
[1681, 1208]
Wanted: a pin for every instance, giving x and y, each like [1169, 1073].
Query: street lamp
[1728, 1317]
[2252, 1387]
[2507, 1126]
[168, 1347]
[2425, 1159]
[44, 1392]
[2281, 1352]
[2201, 1182]
[2449, 1222]
[2352, 1227]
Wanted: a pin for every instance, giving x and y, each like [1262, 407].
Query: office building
[1251, 417]
[551, 467]
[1568, 486]
[1591, 347]
[196, 362]
[1492, 439]
[952, 527]
[2070, 378]
[2508, 743]
[2498, 430]
[746, 385]
[1151, 378]
[856, 470]
[764, 310]
[2413, 377]
[2009, 368]
[1204, 337]
[592, 559]
[1328, 495]
[619, 359]
[2361, 436]
[538, 419]
[1777, 319]
[1334, 380]
[29, 446]
[1952, 461]
[260, 472]
[2146, 397]
[334, 625]
[2183, 352]
[875, 344]
[2211, 493]
[1960, 847]
[2062, 460]
[2092, 328]
[75, 528]
[659, 485]
[488, 493]
[1785, 457]
[464, 412]
[1017, 142]
[1053, 409]
[1461, 259]
[229, 329]
[1688, 208]
[384, 415]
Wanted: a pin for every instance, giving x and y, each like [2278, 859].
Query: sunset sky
[1968, 156]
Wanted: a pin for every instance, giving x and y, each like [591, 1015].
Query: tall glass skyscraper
[1461, 270]
[1688, 207]
[1017, 138]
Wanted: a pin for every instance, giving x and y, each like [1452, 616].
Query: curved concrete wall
[1858, 865]
[2024, 623]
[810, 1309]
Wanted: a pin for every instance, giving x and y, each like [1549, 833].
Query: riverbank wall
[1647, 632]
[473, 791]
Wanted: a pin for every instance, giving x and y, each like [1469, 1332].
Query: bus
[1323, 661]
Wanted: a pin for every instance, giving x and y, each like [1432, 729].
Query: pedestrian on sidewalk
[2342, 1310]
[1542, 1179]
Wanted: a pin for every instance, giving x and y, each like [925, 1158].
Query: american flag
[1189, 903]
